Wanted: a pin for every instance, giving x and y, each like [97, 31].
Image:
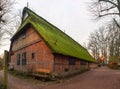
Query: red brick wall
[62, 64]
[93, 65]
[32, 43]
[30, 37]
[44, 59]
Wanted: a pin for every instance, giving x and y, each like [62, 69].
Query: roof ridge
[26, 8]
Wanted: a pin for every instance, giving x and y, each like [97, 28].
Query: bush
[2, 86]
[23, 75]
[113, 65]
[113, 62]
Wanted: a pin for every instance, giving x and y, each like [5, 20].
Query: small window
[33, 55]
[71, 61]
[23, 35]
[24, 58]
[82, 62]
[18, 59]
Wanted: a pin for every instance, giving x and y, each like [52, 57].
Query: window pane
[82, 62]
[33, 55]
[18, 59]
[71, 61]
[24, 58]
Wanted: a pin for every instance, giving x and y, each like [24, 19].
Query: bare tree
[114, 40]
[5, 8]
[9, 21]
[105, 41]
[97, 43]
[1, 35]
[106, 8]
[13, 23]
[93, 46]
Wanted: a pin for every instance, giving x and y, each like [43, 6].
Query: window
[33, 55]
[71, 61]
[24, 58]
[23, 36]
[82, 62]
[18, 59]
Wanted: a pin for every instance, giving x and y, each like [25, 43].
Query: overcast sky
[71, 16]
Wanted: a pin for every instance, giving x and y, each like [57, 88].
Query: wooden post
[6, 69]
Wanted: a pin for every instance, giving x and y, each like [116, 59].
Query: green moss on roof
[57, 40]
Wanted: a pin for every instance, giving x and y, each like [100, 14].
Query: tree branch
[109, 2]
[116, 23]
[109, 14]
[112, 7]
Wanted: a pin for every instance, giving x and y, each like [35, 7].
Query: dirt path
[100, 78]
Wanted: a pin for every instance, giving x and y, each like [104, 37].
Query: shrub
[113, 65]
[113, 62]
[2, 86]
[20, 74]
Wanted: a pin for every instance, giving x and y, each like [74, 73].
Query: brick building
[39, 46]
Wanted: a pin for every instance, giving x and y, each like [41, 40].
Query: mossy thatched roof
[58, 41]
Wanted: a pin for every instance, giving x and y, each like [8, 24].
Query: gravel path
[100, 78]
